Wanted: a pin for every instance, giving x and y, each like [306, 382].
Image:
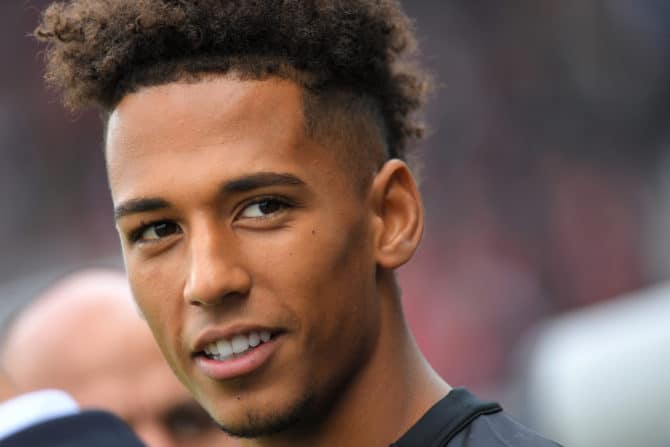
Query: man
[83, 335]
[255, 157]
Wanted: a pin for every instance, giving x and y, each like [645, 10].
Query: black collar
[446, 418]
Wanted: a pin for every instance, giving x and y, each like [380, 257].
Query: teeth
[254, 339]
[212, 350]
[240, 344]
[224, 349]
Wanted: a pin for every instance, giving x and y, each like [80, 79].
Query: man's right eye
[155, 231]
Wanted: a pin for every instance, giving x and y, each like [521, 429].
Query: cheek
[157, 300]
[342, 267]
[154, 282]
[305, 266]
[340, 314]
[326, 280]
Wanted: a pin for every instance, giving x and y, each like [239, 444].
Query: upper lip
[212, 335]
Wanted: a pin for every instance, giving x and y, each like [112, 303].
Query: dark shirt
[462, 420]
[85, 429]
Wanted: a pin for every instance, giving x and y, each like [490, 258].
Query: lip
[240, 365]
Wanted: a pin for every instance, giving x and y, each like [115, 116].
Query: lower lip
[239, 365]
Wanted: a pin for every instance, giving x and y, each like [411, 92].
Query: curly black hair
[98, 51]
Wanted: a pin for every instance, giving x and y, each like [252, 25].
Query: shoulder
[498, 429]
[461, 419]
[90, 428]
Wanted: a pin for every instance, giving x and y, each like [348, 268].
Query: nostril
[215, 285]
[217, 300]
[195, 301]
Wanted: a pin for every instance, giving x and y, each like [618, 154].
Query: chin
[263, 422]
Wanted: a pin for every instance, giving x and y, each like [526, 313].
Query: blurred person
[255, 153]
[574, 362]
[50, 417]
[83, 335]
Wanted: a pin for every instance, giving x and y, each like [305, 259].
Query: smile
[227, 348]
[238, 354]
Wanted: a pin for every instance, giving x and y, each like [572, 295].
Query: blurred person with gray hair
[83, 335]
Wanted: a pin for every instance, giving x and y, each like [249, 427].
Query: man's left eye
[263, 208]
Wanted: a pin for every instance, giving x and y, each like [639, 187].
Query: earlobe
[399, 214]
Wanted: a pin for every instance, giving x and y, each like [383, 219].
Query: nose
[215, 269]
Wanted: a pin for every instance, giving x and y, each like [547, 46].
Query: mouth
[229, 357]
[236, 346]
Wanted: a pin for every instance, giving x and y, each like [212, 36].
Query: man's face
[236, 226]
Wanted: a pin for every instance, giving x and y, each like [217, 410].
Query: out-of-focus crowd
[541, 172]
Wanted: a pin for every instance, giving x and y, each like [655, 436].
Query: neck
[389, 395]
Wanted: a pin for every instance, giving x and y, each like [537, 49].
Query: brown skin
[7, 388]
[318, 266]
[115, 364]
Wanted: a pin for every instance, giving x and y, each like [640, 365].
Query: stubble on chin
[264, 422]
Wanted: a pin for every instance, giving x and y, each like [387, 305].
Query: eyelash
[283, 202]
[135, 236]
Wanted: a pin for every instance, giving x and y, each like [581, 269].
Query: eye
[263, 208]
[155, 231]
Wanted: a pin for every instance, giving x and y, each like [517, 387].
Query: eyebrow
[141, 205]
[239, 185]
[260, 180]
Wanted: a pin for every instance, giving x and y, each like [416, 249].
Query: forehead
[218, 127]
[211, 109]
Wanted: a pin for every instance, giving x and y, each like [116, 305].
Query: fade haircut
[353, 59]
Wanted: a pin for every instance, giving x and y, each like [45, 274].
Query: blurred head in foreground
[84, 335]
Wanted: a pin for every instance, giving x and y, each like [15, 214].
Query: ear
[398, 212]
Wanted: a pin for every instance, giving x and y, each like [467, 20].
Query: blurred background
[546, 177]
